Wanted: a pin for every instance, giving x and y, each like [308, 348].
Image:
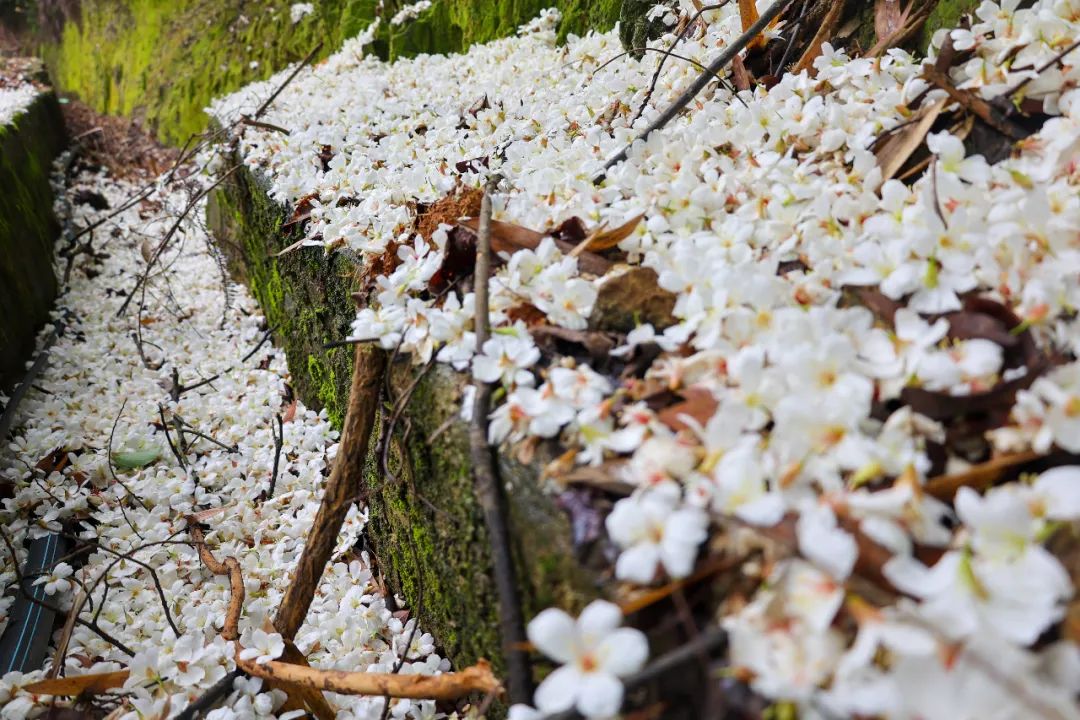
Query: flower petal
[553, 633]
[599, 618]
[559, 690]
[623, 652]
[600, 696]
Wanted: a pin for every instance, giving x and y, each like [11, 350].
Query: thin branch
[660, 66]
[488, 488]
[698, 85]
[279, 442]
[296, 71]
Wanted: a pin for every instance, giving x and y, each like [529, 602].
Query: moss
[165, 60]
[946, 14]
[28, 230]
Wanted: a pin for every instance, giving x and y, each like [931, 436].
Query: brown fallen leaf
[740, 76]
[978, 477]
[898, 148]
[93, 684]
[509, 238]
[888, 18]
[698, 403]
[823, 35]
[602, 239]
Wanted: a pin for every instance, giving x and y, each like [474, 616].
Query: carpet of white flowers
[14, 100]
[58, 461]
[757, 215]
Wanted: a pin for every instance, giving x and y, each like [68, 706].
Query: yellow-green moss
[165, 60]
[28, 230]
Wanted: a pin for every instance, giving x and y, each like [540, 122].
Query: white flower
[594, 653]
[654, 532]
[506, 357]
[57, 580]
[822, 542]
[263, 647]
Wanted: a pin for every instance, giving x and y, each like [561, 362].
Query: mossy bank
[165, 60]
[426, 527]
[28, 230]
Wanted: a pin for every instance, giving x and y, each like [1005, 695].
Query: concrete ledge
[28, 230]
[426, 527]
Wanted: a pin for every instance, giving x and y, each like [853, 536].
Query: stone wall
[426, 529]
[28, 230]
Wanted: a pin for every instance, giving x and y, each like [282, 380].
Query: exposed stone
[629, 296]
[28, 230]
[426, 527]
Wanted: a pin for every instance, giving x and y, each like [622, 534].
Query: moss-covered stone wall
[426, 527]
[28, 230]
[165, 60]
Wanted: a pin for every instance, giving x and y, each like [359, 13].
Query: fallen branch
[230, 566]
[160, 250]
[447, 686]
[292, 76]
[342, 489]
[485, 477]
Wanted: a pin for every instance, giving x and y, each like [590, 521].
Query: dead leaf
[823, 35]
[290, 412]
[895, 152]
[698, 403]
[602, 239]
[888, 18]
[739, 74]
[93, 684]
[979, 477]
[55, 461]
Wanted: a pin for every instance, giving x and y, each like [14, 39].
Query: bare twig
[488, 489]
[279, 442]
[698, 85]
[169, 235]
[296, 71]
[230, 566]
[660, 65]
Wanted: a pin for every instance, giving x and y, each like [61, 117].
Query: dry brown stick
[342, 488]
[231, 567]
[979, 477]
[975, 104]
[447, 686]
[485, 477]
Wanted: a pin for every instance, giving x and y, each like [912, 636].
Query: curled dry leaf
[602, 239]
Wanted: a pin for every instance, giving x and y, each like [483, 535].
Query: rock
[631, 296]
